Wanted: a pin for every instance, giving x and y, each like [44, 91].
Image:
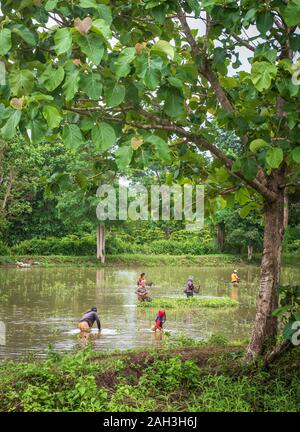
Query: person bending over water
[159, 320]
[189, 288]
[87, 322]
[142, 292]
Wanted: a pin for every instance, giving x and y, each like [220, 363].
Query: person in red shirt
[159, 320]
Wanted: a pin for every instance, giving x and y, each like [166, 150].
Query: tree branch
[203, 67]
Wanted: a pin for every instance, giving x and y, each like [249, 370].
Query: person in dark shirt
[87, 321]
[189, 288]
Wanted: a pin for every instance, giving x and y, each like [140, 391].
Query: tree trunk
[221, 236]
[101, 243]
[168, 232]
[265, 326]
[250, 252]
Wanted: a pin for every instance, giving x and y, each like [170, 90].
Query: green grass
[189, 303]
[195, 377]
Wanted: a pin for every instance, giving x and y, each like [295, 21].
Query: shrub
[4, 250]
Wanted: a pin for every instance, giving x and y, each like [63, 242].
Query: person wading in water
[87, 321]
[235, 279]
[189, 288]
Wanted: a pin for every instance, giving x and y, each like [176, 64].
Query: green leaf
[92, 85]
[88, 4]
[288, 331]
[21, 82]
[262, 74]
[92, 46]
[52, 116]
[264, 22]
[258, 144]
[274, 157]
[103, 136]
[51, 78]
[5, 41]
[123, 157]
[63, 40]
[281, 311]
[24, 33]
[244, 211]
[164, 47]
[296, 154]
[102, 28]
[161, 146]
[291, 13]
[104, 12]
[114, 94]
[70, 86]
[121, 67]
[249, 168]
[174, 103]
[72, 136]
[149, 70]
[50, 5]
[242, 196]
[8, 131]
[38, 130]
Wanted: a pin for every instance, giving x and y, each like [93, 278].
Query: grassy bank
[127, 260]
[201, 377]
[189, 303]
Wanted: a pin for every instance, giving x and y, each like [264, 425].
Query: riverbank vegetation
[191, 377]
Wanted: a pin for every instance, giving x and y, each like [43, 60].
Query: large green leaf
[63, 40]
[262, 74]
[5, 41]
[103, 136]
[161, 146]
[51, 78]
[296, 154]
[21, 82]
[72, 136]
[174, 103]
[102, 28]
[121, 66]
[71, 84]
[92, 46]
[149, 70]
[52, 116]
[123, 157]
[264, 22]
[164, 47]
[258, 144]
[92, 85]
[249, 168]
[114, 94]
[274, 157]
[9, 130]
[291, 13]
[38, 129]
[24, 33]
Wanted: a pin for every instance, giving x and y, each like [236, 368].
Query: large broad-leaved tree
[134, 78]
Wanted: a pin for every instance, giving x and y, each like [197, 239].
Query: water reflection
[42, 306]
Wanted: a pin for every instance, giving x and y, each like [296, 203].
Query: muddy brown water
[41, 306]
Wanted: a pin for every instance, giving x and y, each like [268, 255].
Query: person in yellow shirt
[235, 279]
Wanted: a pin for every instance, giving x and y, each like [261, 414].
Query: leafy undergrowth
[189, 303]
[183, 378]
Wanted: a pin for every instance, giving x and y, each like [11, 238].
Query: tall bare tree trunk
[101, 243]
[265, 326]
[250, 251]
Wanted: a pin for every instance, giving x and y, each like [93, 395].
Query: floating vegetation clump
[189, 303]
